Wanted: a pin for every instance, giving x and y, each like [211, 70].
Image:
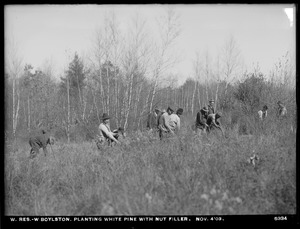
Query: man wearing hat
[163, 123]
[105, 133]
[174, 120]
[211, 108]
[152, 119]
[201, 119]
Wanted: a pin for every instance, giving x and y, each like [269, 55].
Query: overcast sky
[263, 33]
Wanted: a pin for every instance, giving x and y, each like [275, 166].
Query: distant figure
[174, 121]
[201, 119]
[40, 140]
[214, 122]
[281, 110]
[163, 123]
[105, 134]
[263, 113]
[152, 119]
[158, 118]
[211, 108]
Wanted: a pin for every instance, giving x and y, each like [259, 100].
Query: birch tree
[169, 27]
[134, 61]
[14, 68]
[231, 60]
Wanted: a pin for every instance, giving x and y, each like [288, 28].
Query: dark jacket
[211, 109]
[201, 119]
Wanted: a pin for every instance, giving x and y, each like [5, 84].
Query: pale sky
[263, 33]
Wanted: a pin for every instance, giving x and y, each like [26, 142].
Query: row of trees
[126, 77]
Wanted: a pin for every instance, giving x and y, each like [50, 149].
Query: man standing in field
[163, 123]
[281, 110]
[174, 121]
[105, 134]
[263, 113]
[40, 140]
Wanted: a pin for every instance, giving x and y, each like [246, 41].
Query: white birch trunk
[68, 118]
[129, 101]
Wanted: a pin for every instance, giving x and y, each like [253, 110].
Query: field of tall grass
[187, 175]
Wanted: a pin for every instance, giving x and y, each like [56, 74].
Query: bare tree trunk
[153, 93]
[129, 101]
[79, 92]
[116, 101]
[84, 109]
[144, 108]
[101, 90]
[68, 118]
[15, 108]
[28, 110]
[193, 98]
[199, 97]
[138, 96]
[97, 109]
[108, 95]
[216, 97]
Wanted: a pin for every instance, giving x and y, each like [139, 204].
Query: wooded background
[126, 76]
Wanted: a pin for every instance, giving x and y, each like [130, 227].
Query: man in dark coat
[39, 140]
[201, 119]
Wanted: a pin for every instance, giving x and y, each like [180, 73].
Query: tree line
[126, 77]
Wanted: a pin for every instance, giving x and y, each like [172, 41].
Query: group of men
[207, 118]
[165, 122]
[281, 111]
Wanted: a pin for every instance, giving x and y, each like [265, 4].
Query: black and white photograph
[158, 113]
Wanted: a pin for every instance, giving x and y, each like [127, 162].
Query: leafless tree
[14, 68]
[231, 60]
[163, 59]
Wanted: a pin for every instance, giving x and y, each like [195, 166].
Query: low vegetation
[187, 175]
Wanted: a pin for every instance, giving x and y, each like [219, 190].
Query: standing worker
[263, 113]
[163, 123]
[40, 140]
[174, 121]
[281, 110]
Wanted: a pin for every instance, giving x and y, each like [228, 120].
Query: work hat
[105, 116]
[205, 109]
[164, 110]
[211, 101]
[179, 111]
[156, 109]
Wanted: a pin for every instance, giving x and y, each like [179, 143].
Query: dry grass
[187, 175]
